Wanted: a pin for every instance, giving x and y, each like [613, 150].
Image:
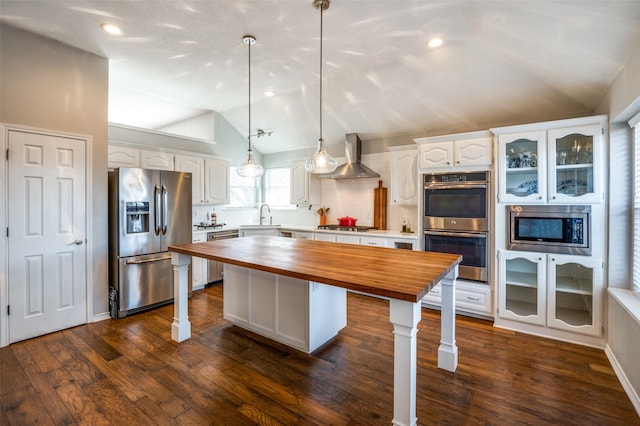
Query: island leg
[405, 317]
[181, 327]
[448, 351]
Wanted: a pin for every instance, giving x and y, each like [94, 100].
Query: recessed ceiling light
[111, 29]
[269, 93]
[435, 42]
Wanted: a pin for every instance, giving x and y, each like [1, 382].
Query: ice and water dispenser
[137, 216]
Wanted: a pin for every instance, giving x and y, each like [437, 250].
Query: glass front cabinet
[561, 165]
[550, 290]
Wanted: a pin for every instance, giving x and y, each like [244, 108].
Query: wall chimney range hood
[353, 168]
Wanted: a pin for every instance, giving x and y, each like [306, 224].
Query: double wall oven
[456, 219]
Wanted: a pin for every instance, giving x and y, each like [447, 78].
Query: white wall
[623, 328]
[48, 85]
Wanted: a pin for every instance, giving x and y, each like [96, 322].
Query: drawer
[373, 241]
[470, 297]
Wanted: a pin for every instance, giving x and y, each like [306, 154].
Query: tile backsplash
[345, 197]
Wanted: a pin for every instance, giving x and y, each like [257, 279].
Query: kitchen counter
[402, 276]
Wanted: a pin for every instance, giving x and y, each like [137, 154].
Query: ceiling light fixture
[435, 42]
[250, 169]
[111, 29]
[321, 161]
[269, 93]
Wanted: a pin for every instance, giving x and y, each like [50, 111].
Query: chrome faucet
[262, 217]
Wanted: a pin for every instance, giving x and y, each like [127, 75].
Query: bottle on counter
[404, 225]
[214, 218]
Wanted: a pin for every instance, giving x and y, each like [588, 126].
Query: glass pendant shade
[250, 169]
[320, 161]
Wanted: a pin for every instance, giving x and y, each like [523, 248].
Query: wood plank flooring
[129, 372]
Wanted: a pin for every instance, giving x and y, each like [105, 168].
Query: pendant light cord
[249, 132]
[321, 25]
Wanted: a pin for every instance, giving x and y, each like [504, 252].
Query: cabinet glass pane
[574, 294]
[522, 167]
[574, 164]
[521, 287]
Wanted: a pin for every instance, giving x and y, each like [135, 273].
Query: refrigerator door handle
[156, 210]
[155, 259]
[165, 209]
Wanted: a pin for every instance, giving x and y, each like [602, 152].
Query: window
[636, 206]
[244, 192]
[277, 187]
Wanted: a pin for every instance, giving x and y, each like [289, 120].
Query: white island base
[298, 313]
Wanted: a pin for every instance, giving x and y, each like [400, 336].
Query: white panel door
[47, 231]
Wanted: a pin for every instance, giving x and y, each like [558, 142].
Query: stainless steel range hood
[353, 168]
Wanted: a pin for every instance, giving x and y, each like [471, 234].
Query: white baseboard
[624, 381]
[101, 317]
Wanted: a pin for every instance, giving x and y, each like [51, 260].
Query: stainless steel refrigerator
[149, 210]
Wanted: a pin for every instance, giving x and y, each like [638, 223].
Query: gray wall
[48, 85]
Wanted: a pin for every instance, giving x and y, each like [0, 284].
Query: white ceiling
[502, 62]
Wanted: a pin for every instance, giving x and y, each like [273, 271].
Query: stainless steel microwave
[551, 229]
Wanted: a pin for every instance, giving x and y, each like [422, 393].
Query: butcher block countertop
[398, 274]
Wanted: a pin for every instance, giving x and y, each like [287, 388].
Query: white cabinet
[122, 156]
[199, 266]
[347, 239]
[156, 160]
[195, 166]
[465, 151]
[210, 177]
[471, 298]
[301, 314]
[373, 241]
[322, 236]
[303, 235]
[554, 291]
[404, 175]
[305, 186]
[216, 181]
[129, 156]
[560, 163]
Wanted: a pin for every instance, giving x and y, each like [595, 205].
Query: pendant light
[321, 161]
[250, 169]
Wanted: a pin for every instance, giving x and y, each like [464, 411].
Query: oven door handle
[460, 186]
[456, 234]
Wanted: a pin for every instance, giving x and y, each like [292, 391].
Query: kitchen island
[402, 276]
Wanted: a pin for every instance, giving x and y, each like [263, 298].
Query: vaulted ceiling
[502, 62]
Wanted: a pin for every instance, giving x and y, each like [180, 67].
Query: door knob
[76, 243]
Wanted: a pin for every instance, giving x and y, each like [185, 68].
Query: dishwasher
[215, 268]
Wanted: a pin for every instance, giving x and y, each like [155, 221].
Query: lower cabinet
[199, 266]
[301, 314]
[471, 298]
[551, 291]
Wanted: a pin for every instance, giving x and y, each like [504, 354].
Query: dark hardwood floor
[130, 372]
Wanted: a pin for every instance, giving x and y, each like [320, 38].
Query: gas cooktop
[355, 228]
[206, 226]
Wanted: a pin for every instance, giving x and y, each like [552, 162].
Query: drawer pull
[475, 299]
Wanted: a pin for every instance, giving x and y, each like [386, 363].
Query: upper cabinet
[216, 181]
[210, 177]
[122, 156]
[156, 160]
[404, 175]
[552, 163]
[464, 151]
[126, 156]
[305, 187]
